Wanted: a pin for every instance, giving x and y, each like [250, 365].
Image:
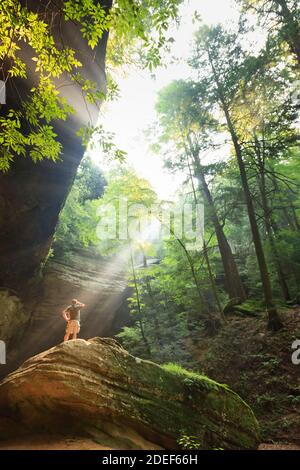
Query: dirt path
[51, 443]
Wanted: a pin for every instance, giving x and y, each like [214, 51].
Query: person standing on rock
[72, 316]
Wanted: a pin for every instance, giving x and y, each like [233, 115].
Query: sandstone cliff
[32, 195]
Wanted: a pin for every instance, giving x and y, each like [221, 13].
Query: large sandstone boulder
[97, 388]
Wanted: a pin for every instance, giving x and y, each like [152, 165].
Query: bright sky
[134, 112]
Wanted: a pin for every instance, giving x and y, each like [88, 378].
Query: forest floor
[257, 364]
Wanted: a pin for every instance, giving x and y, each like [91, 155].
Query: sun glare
[134, 112]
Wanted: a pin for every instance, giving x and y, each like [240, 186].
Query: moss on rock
[12, 316]
[96, 386]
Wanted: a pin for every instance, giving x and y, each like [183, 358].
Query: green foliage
[257, 92]
[294, 400]
[164, 325]
[126, 202]
[172, 302]
[144, 22]
[78, 220]
[281, 19]
[249, 308]
[267, 401]
[92, 17]
[187, 442]
[97, 139]
[44, 104]
[89, 181]
[169, 304]
[88, 202]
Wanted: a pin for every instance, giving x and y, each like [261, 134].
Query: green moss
[190, 378]
[193, 391]
[251, 307]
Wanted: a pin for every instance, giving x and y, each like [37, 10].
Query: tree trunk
[194, 275]
[233, 283]
[268, 223]
[274, 322]
[205, 253]
[154, 314]
[290, 218]
[140, 322]
[295, 218]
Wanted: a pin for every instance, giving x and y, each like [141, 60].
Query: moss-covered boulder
[97, 388]
[250, 308]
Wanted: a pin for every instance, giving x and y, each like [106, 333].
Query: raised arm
[65, 314]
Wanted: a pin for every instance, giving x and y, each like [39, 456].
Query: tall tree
[281, 17]
[221, 62]
[183, 123]
[265, 116]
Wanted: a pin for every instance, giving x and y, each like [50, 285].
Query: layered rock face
[38, 325]
[96, 388]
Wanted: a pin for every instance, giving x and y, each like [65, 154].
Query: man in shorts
[72, 316]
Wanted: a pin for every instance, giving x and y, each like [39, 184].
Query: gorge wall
[31, 199]
[32, 195]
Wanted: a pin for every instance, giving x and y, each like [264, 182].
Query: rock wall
[31, 198]
[32, 195]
